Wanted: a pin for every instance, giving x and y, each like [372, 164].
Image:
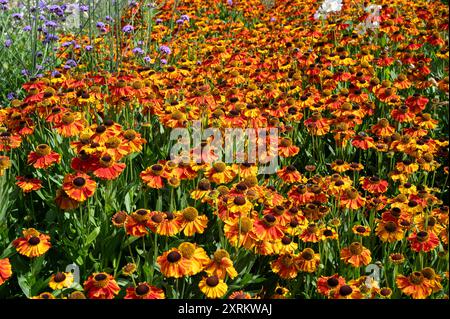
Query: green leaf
[24, 285]
[92, 236]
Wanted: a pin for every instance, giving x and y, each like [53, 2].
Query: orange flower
[137, 223]
[289, 174]
[356, 255]
[351, 199]
[28, 184]
[71, 124]
[308, 260]
[221, 265]
[285, 266]
[154, 176]
[64, 201]
[317, 125]
[144, 291]
[374, 185]
[423, 241]
[101, 286]
[191, 222]
[196, 255]
[79, 186]
[415, 285]
[108, 169]
[220, 173]
[172, 264]
[389, 231]
[286, 149]
[311, 234]
[239, 232]
[43, 157]
[326, 284]
[32, 244]
[268, 228]
[5, 270]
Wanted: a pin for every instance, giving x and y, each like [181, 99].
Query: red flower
[101, 286]
[43, 157]
[423, 241]
[79, 186]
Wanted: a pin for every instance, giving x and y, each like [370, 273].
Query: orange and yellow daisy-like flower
[172, 264]
[220, 173]
[5, 270]
[79, 186]
[32, 244]
[356, 255]
[268, 228]
[28, 184]
[154, 176]
[239, 205]
[137, 223]
[5, 163]
[144, 291]
[285, 266]
[326, 284]
[101, 286]
[107, 168]
[221, 265]
[415, 285]
[192, 222]
[43, 157]
[423, 241]
[308, 260]
[239, 232]
[196, 255]
[61, 280]
[213, 287]
[389, 231]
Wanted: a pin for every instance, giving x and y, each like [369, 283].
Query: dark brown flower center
[332, 282]
[79, 181]
[345, 290]
[59, 277]
[100, 277]
[173, 257]
[212, 281]
[239, 200]
[390, 227]
[33, 241]
[142, 289]
[422, 236]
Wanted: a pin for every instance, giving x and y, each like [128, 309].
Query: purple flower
[70, 64]
[11, 96]
[50, 38]
[230, 2]
[147, 59]
[89, 48]
[8, 43]
[163, 61]
[108, 18]
[27, 28]
[100, 25]
[127, 29]
[272, 19]
[184, 17]
[179, 21]
[17, 16]
[158, 21]
[138, 51]
[55, 73]
[165, 49]
[24, 72]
